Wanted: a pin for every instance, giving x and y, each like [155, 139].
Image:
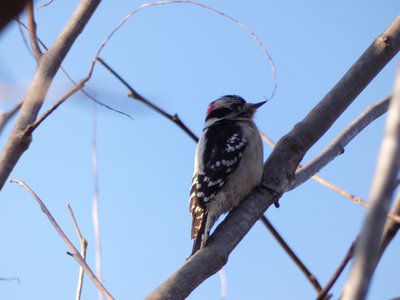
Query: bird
[228, 163]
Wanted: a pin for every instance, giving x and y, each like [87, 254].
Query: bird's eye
[234, 106]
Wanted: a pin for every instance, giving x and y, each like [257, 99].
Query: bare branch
[75, 253]
[84, 244]
[324, 292]
[135, 95]
[333, 187]
[280, 168]
[383, 185]
[32, 30]
[336, 147]
[45, 72]
[82, 82]
[391, 227]
[11, 279]
[95, 202]
[5, 117]
[45, 4]
[24, 39]
[313, 280]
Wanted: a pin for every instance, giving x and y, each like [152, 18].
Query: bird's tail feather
[198, 239]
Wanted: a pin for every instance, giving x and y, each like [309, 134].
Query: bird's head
[232, 108]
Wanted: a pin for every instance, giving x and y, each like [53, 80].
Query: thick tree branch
[280, 168]
[383, 186]
[46, 70]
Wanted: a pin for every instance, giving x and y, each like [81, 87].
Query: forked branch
[280, 168]
[75, 253]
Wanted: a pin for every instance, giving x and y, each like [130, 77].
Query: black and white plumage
[228, 163]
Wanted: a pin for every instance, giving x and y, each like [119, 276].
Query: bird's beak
[257, 105]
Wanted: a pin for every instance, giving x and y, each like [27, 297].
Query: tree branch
[383, 186]
[135, 95]
[48, 66]
[75, 253]
[75, 89]
[32, 30]
[391, 228]
[336, 147]
[313, 280]
[5, 117]
[349, 254]
[280, 168]
[84, 244]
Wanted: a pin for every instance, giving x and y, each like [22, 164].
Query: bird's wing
[222, 153]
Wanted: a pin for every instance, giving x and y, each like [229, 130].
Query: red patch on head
[210, 108]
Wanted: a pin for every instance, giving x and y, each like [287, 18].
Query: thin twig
[313, 280]
[75, 253]
[207, 7]
[5, 117]
[30, 128]
[11, 279]
[324, 292]
[45, 4]
[391, 228]
[84, 244]
[224, 284]
[24, 39]
[46, 70]
[32, 30]
[63, 99]
[95, 203]
[135, 95]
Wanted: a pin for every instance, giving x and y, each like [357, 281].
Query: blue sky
[182, 57]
